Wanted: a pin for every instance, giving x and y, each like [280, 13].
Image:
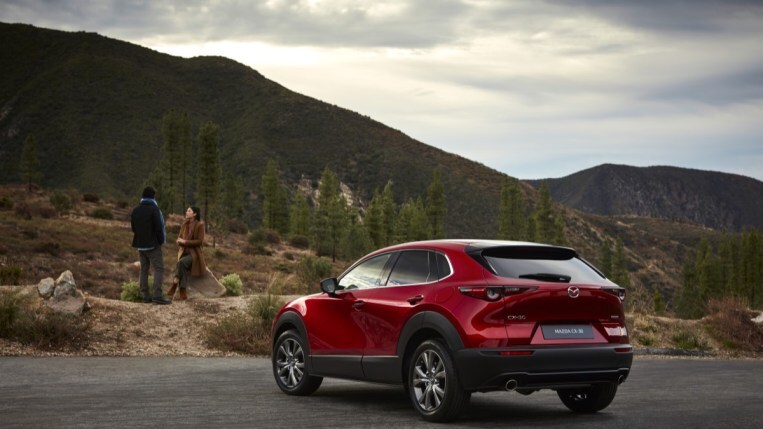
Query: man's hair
[149, 192]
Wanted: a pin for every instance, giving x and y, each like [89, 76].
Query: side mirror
[329, 285]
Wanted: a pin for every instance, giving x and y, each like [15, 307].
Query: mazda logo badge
[573, 292]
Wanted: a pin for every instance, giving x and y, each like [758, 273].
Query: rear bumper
[545, 368]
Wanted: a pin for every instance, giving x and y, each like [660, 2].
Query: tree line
[734, 268]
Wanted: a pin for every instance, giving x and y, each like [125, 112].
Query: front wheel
[590, 400]
[433, 384]
[290, 368]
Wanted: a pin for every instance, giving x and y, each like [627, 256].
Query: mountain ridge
[718, 200]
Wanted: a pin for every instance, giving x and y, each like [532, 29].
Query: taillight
[616, 291]
[493, 293]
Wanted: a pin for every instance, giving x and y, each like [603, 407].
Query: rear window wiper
[549, 277]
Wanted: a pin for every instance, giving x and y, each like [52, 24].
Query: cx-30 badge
[573, 292]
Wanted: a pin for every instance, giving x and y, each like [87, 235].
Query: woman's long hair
[196, 213]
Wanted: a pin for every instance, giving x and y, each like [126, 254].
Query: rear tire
[590, 400]
[290, 365]
[433, 384]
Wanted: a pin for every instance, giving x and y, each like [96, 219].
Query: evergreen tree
[548, 226]
[186, 160]
[30, 163]
[171, 158]
[233, 197]
[435, 206]
[208, 186]
[412, 222]
[299, 216]
[274, 205]
[620, 266]
[374, 220]
[331, 216]
[606, 259]
[659, 303]
[511, 216]
[752, 268]
[355, 242]
[389, 214]
[690, 304]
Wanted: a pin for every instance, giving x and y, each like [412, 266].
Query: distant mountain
[716, 200]
[95, 105]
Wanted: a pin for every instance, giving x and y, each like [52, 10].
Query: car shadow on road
[494, 409]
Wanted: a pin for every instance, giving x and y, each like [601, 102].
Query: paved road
[240, 392]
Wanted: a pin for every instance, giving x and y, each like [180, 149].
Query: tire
[433, 384]
[290, 366]
[590, 400]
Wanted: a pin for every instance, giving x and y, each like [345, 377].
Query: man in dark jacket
[148, 236]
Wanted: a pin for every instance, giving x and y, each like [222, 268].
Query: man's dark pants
[147, 259]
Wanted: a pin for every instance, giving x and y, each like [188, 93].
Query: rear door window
[413, 267]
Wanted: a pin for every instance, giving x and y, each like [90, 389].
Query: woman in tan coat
[190, 252]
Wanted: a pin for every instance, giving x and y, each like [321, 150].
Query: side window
[412, 267]
[443, 267]
[365, 275]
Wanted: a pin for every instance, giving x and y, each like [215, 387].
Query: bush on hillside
[102, 213]
[61, 202]
[233, 284]
[246, 331]
[312, 270]
[131, 292]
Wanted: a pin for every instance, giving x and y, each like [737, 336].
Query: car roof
[460, 244]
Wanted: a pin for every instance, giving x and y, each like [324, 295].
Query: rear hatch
[551, 296]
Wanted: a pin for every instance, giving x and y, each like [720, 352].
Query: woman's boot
[171, 292]
[182, 296]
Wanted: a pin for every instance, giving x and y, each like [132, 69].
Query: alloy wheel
[430, 380]
[290, 363]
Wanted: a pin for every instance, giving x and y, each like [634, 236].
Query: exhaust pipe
[511, 385]
[620, 379]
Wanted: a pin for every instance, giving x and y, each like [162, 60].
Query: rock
[758, 319]
[205, 286]
[46, 287]
[74, 303]
[65, 285]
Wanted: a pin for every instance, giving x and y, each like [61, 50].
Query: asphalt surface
[240, 392]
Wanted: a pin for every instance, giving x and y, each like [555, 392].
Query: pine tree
[606, 259]
[435, 206]
[389, 214]
[274, 205]
[171, 159]
[355, 242]
[233, 197]
[374, 220]
[548, 227]
[331, 216]
[620, 266]
[511, 215]
[30, 164]
[299, 216]
[186, 162]
[690, 304]
[208, 186]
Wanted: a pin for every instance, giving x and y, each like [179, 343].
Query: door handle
[358, 305]
[415, 299]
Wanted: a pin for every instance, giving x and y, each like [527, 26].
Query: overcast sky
[533, 89]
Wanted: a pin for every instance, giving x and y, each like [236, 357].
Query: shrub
[233, 284]
[288, 256]
[61, 202]
[264, 308]
[102, 213]
[236, 226]
[49, 247]
[246, 331]
[312, 270]
[729, 322]
[23, 320]
[272, 237]
[6, 203]
[131, 292]
[10, 275]
[688, 341]
[256, 237]
[299, 241]
[122, 204]
[90, 198]
[219, 254]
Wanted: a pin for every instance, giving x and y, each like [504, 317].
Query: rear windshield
[542, 265]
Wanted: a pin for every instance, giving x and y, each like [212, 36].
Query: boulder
[46, 287]
[74, 303]
[65, 284]
[205, 286]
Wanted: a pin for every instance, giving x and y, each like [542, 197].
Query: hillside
[717, 200]
[96, 104]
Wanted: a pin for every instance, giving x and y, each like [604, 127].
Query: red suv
[450, 317]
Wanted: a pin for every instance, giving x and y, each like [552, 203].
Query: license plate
[567, 332]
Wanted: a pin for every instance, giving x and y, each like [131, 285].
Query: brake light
[485, 293]
[494, 293]
[616, 291]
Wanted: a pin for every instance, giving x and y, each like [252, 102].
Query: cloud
[535, 89]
